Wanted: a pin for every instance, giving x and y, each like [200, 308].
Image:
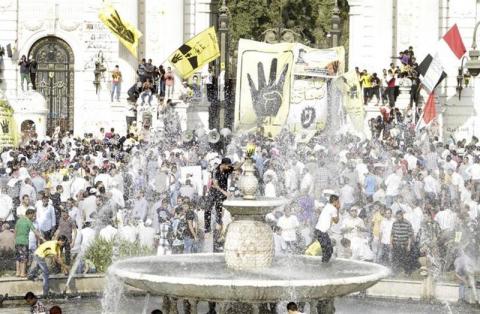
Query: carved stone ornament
[33, 24]
[69, 25]
[5, 4]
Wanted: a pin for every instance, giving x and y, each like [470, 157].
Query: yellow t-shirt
[48, 248]
[367, 81]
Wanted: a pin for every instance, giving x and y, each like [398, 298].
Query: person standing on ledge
[219, 192]
[116, 83]
[328, 216]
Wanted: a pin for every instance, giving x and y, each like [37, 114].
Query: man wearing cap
[328, 216]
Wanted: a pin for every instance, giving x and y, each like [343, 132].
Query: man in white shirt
[383, 255]
[446, 219]
[146, 234]
[347, 195]
[288, 225]
[28, 189]
[411, 160]
[108, 233]
[328, 216]
[307, 185]
[24, 206]
[431, 186]
[6, 206]
[393, 183]
[46, 218]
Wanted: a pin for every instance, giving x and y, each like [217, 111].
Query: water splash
[112, 294]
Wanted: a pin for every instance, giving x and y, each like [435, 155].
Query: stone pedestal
[248, 245]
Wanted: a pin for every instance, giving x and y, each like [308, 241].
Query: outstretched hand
[267, 98]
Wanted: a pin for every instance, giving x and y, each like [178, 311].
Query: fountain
[248, 272]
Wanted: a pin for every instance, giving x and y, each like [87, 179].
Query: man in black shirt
[219, 191]
[33, 73]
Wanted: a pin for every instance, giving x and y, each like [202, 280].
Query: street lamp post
[472, 65]
[223, 73]
[335, 32]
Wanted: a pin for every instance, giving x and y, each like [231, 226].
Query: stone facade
[164, 23]
[380, 29]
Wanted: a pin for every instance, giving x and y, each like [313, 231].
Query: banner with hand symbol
[263, 86]
[126, 33]
[8, 132]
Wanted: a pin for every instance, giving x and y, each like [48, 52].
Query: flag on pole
[126, 33]
[450, 49]
[435, 67]
[195, 53]
[429, 112]
[431, 72]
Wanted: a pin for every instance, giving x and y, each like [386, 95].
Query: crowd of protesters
[412, 206]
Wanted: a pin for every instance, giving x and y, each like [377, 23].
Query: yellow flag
[128, 34]
[195, 53]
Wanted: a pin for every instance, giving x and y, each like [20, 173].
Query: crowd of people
[383, 91]
[406, 200]
[412, 207]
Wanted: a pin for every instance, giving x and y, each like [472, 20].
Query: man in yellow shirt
[366, 82]
[51, 249]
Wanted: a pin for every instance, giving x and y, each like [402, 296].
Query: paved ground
[343, 305]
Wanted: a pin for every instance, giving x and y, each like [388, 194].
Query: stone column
[356, 33]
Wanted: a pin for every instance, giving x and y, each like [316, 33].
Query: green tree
[310, 18]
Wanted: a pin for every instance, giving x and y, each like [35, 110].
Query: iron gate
[55, 78]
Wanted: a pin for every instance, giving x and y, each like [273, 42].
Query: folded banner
[195, 53]
[8, 133]
[349, 85]
[128, 34]
[295, 95]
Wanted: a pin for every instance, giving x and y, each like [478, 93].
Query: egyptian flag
[429, 112]
[435, 67]
[431, 72]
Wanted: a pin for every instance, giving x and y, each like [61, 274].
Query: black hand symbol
[117, 26]
[267, 99]
[4, 126]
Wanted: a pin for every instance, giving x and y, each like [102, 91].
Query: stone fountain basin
[252, 209]
[206, 277]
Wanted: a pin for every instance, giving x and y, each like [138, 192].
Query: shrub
[100, 252]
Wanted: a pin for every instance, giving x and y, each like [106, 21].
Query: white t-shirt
[393, 182]
[288, 225]
[88, 235]
[325, 220]
[128, 233]
[446, 219]
[386, 230]
[347, 194]
[354, 224]
[474, 171]
[108, 233]
[146, 236]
